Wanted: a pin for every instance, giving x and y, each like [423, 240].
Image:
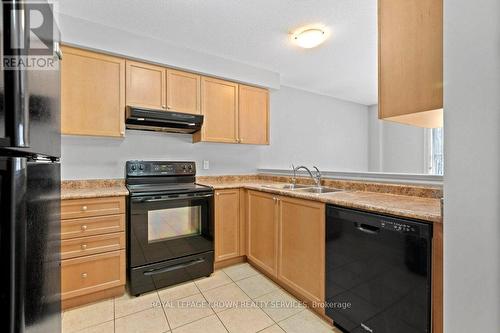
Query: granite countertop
[93, 188]
[421, 208]
[423, 204]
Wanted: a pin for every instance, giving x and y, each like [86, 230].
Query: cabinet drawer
[91, 226]
[82, 246]
[89, 274]
[75, 208]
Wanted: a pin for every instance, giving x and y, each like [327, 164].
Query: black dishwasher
[378, 272]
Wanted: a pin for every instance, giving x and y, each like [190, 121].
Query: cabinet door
[301, 255]
[146, 85]
[183, 92]
[411, 61]
[92, 93]
[219, 106]
[262, 230]
[253, 115]
[227, 224]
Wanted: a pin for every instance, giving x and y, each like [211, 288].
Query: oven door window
[172, 223]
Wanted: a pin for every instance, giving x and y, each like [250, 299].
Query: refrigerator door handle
[58, 51]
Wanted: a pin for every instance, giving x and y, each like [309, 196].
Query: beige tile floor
[237, 299]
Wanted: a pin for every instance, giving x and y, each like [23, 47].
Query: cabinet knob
[169, 107]
[84, 227]
[84, 208]
[84, 246]
[217, 194]
[163, 106]
[84, 275]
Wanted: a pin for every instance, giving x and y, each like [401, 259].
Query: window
[435, 162]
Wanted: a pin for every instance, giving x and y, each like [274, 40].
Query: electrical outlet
[206, 165]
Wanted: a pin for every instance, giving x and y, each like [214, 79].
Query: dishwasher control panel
[395, 226]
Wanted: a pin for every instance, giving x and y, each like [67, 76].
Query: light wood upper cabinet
[146, 85]
[411, 61]
[92, 93]
[262, 241]
[219, 106]
[253, 120]
[227, 224]
[302, 244]
[183, 92]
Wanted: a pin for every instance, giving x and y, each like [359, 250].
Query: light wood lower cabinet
[286, 239]
[89, 274]
[92, 249]
[92, 93]
[262, 243]
[76, 208]
[83, 246]
[227, 224]
[301, 251]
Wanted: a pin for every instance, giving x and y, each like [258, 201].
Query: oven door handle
[168, 198]
[173, 268]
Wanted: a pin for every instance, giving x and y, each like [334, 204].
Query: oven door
[169, 227]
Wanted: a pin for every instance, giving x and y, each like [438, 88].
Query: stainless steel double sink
[303, 188]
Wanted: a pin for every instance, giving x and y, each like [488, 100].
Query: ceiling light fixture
[308, 38]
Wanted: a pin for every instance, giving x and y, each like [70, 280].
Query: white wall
[79, 32]
[317, 130]
[395, 148]
[305, 128]
[472, 159]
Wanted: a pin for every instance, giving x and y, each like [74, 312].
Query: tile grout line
[278, 288]
[203, 295]
[253, 301]
[163, 309]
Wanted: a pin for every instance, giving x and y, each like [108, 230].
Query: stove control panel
[159, 168]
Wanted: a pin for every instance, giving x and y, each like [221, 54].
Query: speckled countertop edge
[93, 188]
[415, 207]
[424, 209]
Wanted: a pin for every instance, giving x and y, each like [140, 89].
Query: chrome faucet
[294, 179]
[316, 178]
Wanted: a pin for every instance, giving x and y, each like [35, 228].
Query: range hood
[162, 121]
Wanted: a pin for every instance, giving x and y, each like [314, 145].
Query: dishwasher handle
[367, 229]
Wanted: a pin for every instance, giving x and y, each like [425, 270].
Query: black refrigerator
[30, 147]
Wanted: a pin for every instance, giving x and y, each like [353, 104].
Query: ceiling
[255, 32]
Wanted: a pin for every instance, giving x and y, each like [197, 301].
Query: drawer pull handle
[84, 208]
[84, 227]
[84, 246]
[84, 275]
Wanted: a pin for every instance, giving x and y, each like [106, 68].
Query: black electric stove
[170, 225]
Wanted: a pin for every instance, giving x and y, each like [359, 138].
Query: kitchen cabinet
[92, 93]
[302, 244]
[411, 61]
[92, 250]
[262, 226]
[183, 92]
[284, 236]
[219, 106]
[253, 115]
[146, 85]
[227, 224]
[234, 113]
